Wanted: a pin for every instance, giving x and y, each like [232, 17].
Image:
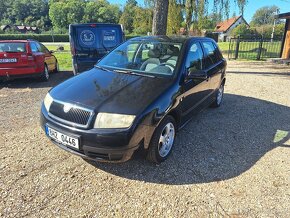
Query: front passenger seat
[153, 61]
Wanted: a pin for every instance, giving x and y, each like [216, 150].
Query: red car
[25, 58]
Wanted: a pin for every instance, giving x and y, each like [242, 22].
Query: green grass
[53, 46]
[224, 46]
[249, 50]
[64, 57]
[64, 60]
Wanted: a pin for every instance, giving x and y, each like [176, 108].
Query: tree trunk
[160, 17]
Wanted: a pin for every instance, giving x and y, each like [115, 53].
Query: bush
[38, 37]
[243, 30]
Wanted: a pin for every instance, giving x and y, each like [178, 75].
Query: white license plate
[8, 60]
[62, 138]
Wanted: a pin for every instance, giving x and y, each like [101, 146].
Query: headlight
[47, 101]
[107, 120]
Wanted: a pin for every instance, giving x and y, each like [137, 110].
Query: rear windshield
[12, 47]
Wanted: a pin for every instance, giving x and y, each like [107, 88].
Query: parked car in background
[137, 96]
[26, 58]
[90, 42]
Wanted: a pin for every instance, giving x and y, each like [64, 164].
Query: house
[225, 28]
[285, 48]
[19, 28]
[6, 27]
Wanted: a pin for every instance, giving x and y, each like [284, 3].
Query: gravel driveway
[233, 161]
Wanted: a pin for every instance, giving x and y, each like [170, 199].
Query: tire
[45, 75]
[218, 96]
[160, 148]
[56, 69]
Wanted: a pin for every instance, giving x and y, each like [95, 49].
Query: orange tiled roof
[225, 25]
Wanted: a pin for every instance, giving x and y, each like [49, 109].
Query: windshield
[144, 57]
[12, 47]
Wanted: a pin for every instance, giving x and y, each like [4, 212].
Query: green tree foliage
[65, 12]
[264, 15]
[142, 22]
[27, 12]
[174, 19]
[243, 29]
[196, 11]
[127, 17]
[267, 29]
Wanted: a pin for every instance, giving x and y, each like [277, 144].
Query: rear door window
[209, 54]
[12, 47]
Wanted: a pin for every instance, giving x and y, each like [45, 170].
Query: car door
[213, 63]
[48, 57]
[38, 56]
[195, 90]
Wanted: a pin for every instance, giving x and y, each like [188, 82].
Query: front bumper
[111, 145]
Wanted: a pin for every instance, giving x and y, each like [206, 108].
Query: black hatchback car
[137, 96]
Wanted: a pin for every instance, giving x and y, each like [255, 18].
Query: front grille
[75, 115]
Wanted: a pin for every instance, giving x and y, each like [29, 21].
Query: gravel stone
[232, 161]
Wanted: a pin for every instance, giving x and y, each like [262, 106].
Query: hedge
[38, 37]
[42, 37]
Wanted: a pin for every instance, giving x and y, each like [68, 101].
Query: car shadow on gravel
[55, 78]
[218, 144]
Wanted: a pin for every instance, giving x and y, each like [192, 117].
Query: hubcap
[166, 140]
[220, 94]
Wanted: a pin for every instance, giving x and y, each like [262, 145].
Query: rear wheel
[45, 75]
[219, 96]
[162, 141]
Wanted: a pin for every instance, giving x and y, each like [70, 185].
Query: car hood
[110, 91]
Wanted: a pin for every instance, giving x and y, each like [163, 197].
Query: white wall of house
[224, 36]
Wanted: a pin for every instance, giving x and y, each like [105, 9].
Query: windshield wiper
[102, 68]
[133, 73]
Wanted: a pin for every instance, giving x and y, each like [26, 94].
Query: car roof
[94, 24]
[177, 39]
[23, 40]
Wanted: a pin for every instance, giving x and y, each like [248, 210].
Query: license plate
[62, 138]
[8, 60]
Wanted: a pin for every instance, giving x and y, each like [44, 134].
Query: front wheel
[56, 68]
[45, 74]
[162, 140]
[219, 96]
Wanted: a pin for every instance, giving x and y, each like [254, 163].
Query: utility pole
[274, 25]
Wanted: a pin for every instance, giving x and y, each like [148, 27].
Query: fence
[254, 48]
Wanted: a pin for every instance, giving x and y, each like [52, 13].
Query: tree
[196, 11]
[142, 23]
[160, 17]
[264, 15]
[175, 18]
[127, 17]
[27, 12]
[63, 13]
[242, 29]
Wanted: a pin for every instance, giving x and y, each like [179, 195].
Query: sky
[251, 7]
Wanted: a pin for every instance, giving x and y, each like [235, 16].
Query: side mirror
[51, 51]
[196, 74]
